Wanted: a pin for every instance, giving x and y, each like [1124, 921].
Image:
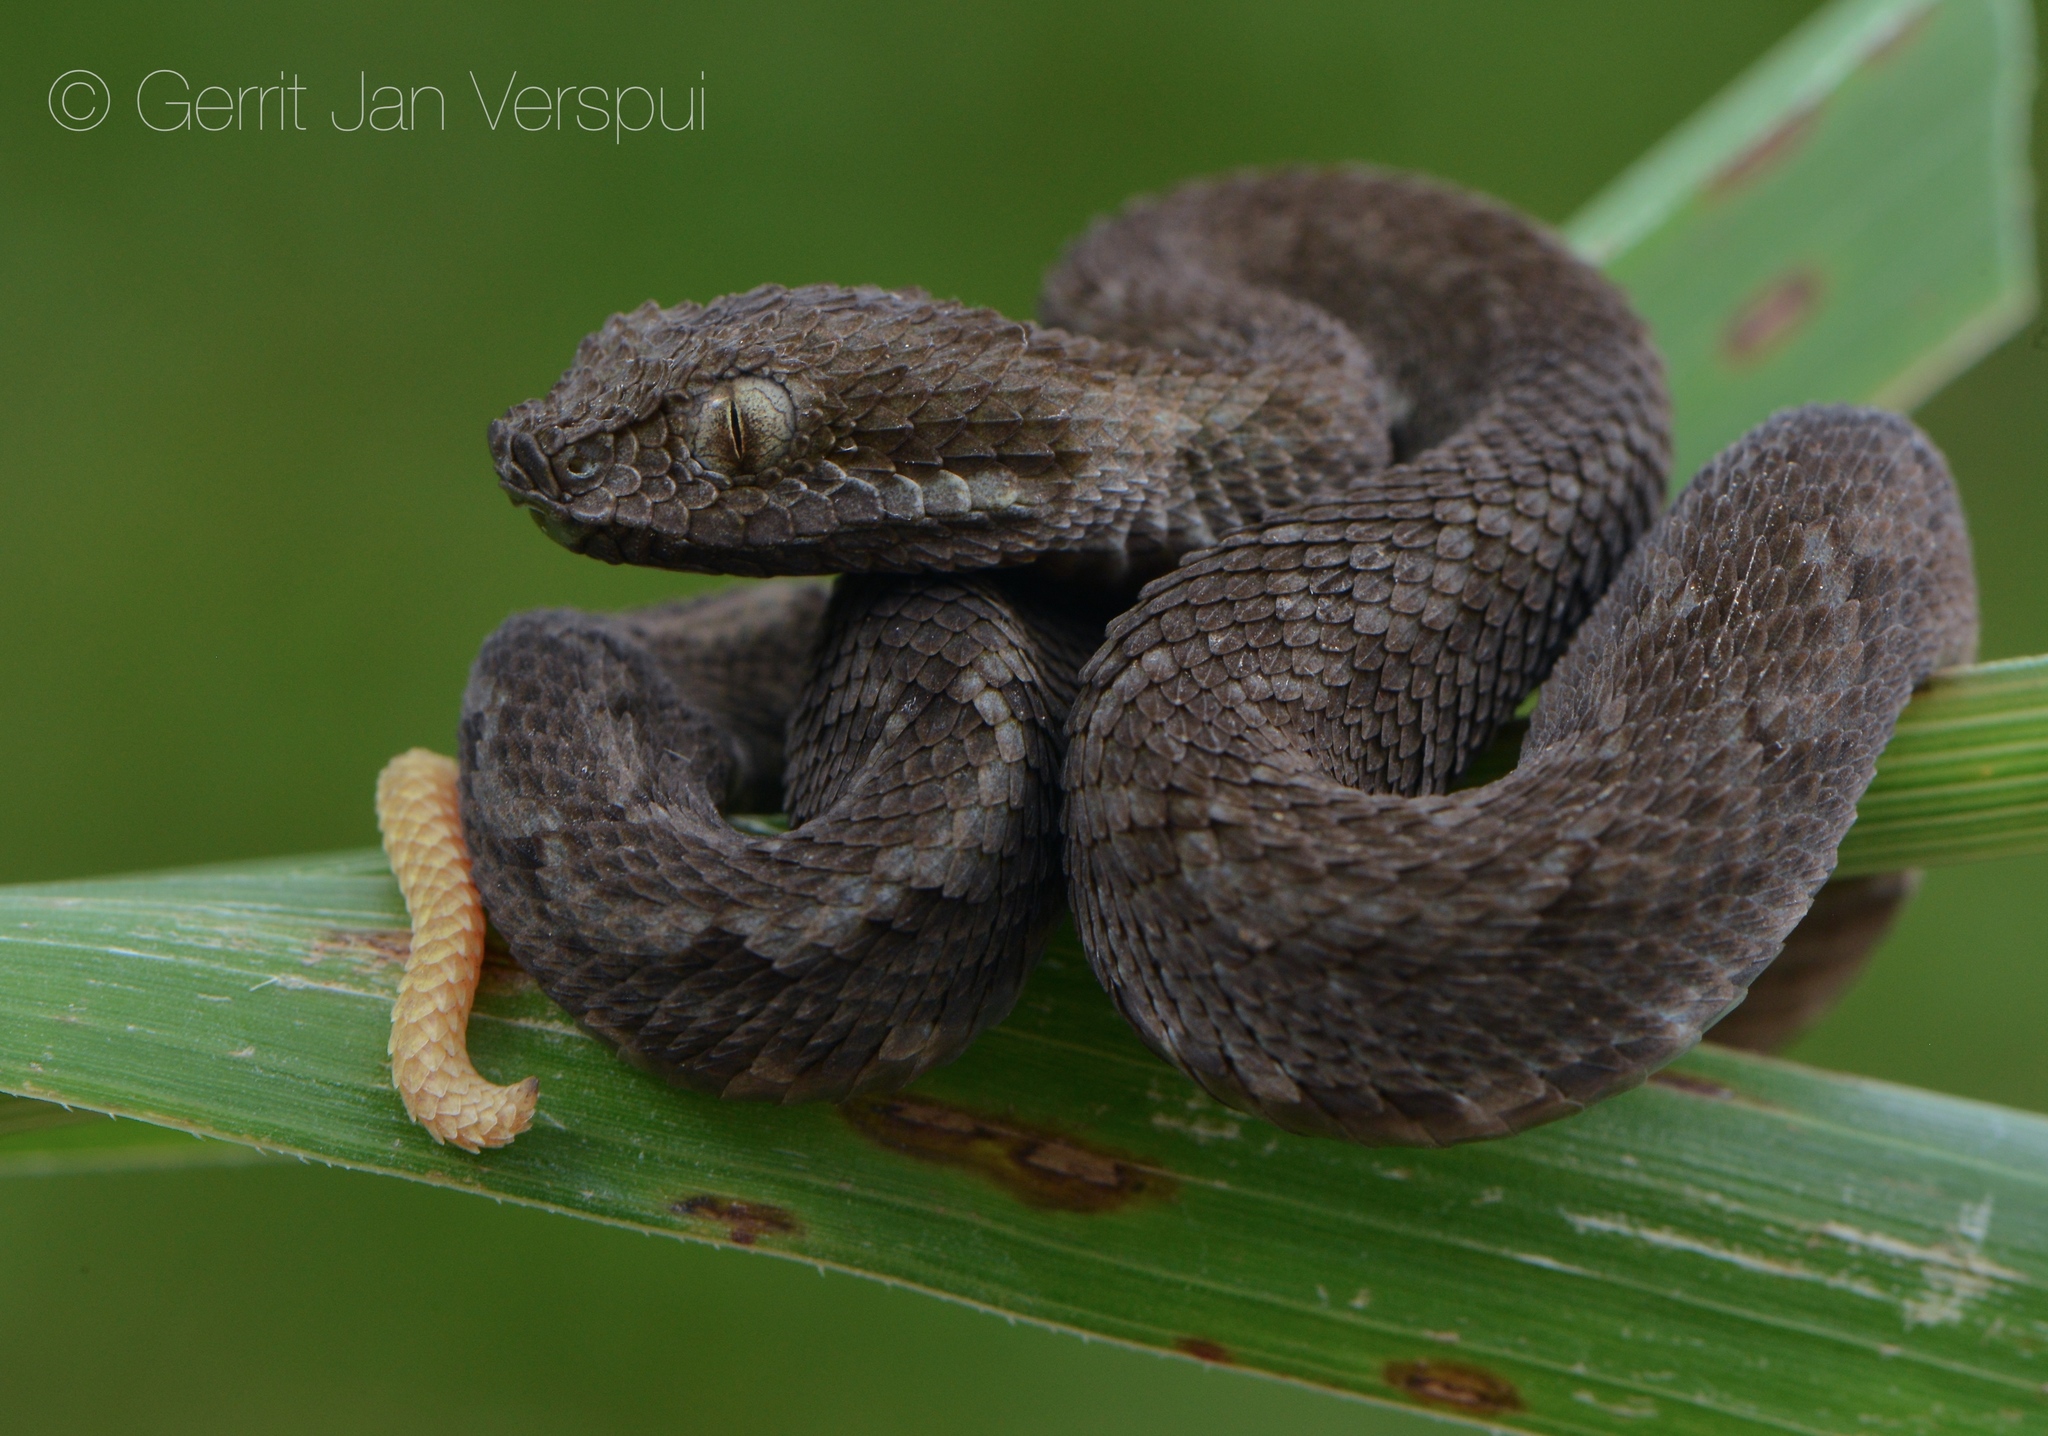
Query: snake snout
[522, 468]
[528, 479]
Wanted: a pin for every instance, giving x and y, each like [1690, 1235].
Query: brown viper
[1374, 449]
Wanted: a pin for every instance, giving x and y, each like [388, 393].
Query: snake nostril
[533, 465]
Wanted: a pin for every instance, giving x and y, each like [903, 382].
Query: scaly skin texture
[430, 1066]
[877, 938]
[1380, 446]
[1436, 969]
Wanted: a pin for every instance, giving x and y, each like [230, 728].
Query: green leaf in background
[1964, 777]
[1741, 1245]
[1850, 220]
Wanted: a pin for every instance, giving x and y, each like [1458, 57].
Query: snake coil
[1345, 463]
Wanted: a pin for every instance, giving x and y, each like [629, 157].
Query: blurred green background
[251, 540]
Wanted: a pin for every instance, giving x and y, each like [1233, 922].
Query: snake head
[814, 430]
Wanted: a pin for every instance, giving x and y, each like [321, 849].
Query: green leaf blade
[1964, 777]
[1631, 1262]
[1850, 221]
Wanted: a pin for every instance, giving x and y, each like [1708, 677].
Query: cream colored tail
[420, 818]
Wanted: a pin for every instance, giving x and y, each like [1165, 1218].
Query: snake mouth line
[557, 525]
[624, 544]
[610, 544]
[880, 523]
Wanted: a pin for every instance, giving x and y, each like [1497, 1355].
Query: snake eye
[743, 426]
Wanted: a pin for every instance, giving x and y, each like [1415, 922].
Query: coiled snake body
[1375, 449]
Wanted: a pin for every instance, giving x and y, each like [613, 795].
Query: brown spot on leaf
[745, 1222]
[1203, 1349]
[368, 948]
[1454, 1386]
[1695, 1086]
[1040, 1167]
[1771, 316]
[1765, 154]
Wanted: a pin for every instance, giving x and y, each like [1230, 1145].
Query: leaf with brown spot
[1764, 155]
[369, 951]
[745, 1222]
[1691, 1084]
[1454, 1386]
[1771, 316]
[1038, 1166]
[1882, 148]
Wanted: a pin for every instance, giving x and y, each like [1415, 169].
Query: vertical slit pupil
[736, 431]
